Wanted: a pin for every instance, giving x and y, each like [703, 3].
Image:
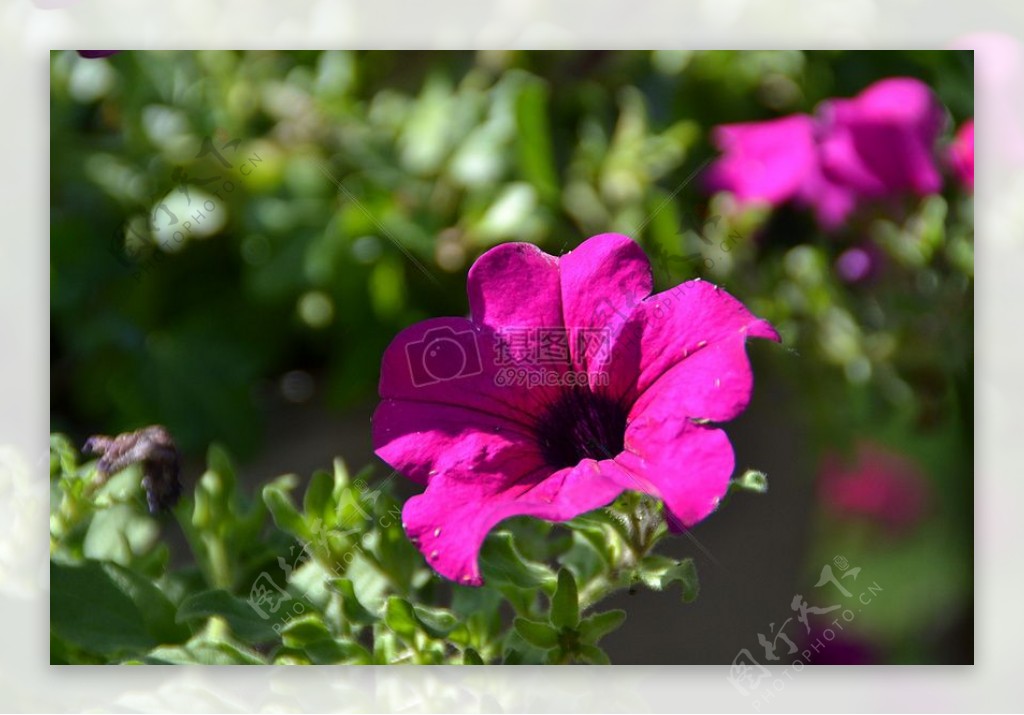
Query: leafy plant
[328, 577]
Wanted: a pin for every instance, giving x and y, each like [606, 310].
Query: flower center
[581, 425]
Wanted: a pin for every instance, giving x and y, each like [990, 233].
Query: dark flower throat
[581, 425]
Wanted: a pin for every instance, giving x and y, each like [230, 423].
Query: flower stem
[645, 529]
[220, 565]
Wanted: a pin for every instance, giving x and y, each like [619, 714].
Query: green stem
[644, 535]
[220, 566]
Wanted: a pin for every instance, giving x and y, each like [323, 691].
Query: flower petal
[832, 202]
[763, 161]
[452, 361]
[603, 281]
[714, 383]
[515, 285]
[449, 521]
[883, 140]
[961, 154]
[421, 440]
[688, 466]
[674, 325]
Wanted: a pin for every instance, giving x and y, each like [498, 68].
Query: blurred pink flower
[764, 161]
[882, 142]
[619, 399]
[878, 144]
[859, 263]
[878, 484]
[961, 154]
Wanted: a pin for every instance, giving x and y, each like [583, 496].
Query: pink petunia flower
[961, 154]
[878, 484]
[568, 384]
[764, 161]
[878, 144]
[882, 142]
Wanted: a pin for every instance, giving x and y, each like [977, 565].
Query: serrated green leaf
[596, 626]
[565, 604]
[536, 633]
[241, 617]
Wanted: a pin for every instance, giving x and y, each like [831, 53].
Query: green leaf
[244, 621]
[604, 530]
[598, 625]
[215, 493]
[119, 534]
[218, 460]
[565, 604]
[685, 572]
[479, 610]
[406, 620]
[594, 655]
[437, 622]
[331, 652]
[203, 651]
[317, 501]
[311, 636]
[104, 608]
[63, 457]
[501, 562]
[652, 568]
[385, 646]
[285, 515]
[534, 139]
[471, 657]
[513, 657]
[299, 632]
[400, 618]
[536, 633]
[341, 477]
[351, 608]
[556, 656]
